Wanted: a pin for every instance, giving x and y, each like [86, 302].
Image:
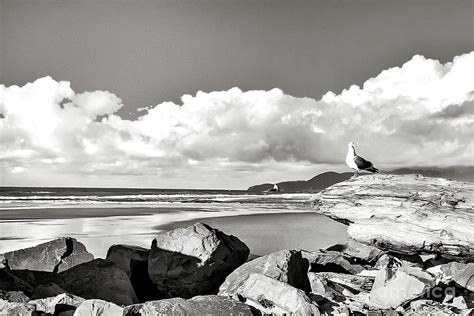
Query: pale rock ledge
[405, 213]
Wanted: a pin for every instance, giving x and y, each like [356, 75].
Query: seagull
[358, 163]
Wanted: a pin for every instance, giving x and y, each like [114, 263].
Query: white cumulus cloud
[418, 114]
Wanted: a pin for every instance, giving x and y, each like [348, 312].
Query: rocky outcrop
[406, 214]
[53, 256]
[198, 305]
[195, 260]
[287, 266]
[99, 279]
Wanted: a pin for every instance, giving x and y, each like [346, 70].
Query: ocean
[100, 217]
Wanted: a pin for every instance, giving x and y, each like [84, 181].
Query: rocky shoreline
[410, 252]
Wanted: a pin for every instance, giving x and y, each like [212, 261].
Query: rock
[272, 296]
[198, 305]
[460, 303]
[10, 282]
[460, 273]
[399, 260]
[325, 288]
[100, 279]
[53, 256]
[47, 290]
[98, 307]
[331, 261]
[395, 287]
[134, 261]
[286, 266]
[13, 308]
[195, 260]
[60, 303]
[353, 248]
[428, 307]
[124, 256]
[14, 296]
[405, 213]
[353, 283]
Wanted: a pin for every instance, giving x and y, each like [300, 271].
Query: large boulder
[100, 279]
[53, 256]
[198, 305]
[47, 290]
[395, 287]
[98, 307]
[364, 253]
[134, 261]
[195, 260]
[60, 303]
[286, 266]
[271, 296]
[10, 282]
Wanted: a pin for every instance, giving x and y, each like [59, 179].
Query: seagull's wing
[362, 163]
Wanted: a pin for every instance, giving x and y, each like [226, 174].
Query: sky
[227, 94]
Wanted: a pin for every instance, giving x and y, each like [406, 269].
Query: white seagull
[358, 163]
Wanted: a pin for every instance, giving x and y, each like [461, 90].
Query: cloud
[418, 114]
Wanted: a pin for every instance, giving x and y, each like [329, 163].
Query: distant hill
[326, 179]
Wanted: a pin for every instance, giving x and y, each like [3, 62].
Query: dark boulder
[100, 279]
[53, 256]
[332, 261]
[195, 260]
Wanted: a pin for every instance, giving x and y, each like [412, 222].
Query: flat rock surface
[404, 213]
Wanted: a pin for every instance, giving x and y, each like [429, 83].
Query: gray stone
[198, 305]
[14, 296]
[461, 273]
[355, 249]
[286, 266]
[195, 260]
[54, 304]
[124, 256]
[271, 296]
[17, 309]
[96, 307]
[53, 256]
[100, 279]
[47, 290]
[399, 260]
[396, 287]
[331, 261]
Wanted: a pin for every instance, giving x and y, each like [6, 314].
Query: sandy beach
[98, 228]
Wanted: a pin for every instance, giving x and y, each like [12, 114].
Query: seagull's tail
[372, 169]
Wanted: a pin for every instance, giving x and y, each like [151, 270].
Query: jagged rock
[10, 282]
[331, 261]
[286, 266]
[14, 308]
[195, 260]
[325, 288]
[134, 261]
[60, 303]
[272, 296]
[460, 273]
[198, 305]
[53, 256]
[47, 290]
[405, 213]
[349, 282]
[353, 248]
[99, 279]
[399, 260]
[14, 296]
[394, 287]
[98, 307]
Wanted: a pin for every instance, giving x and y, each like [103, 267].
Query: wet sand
[262, 230]
[265, 233]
